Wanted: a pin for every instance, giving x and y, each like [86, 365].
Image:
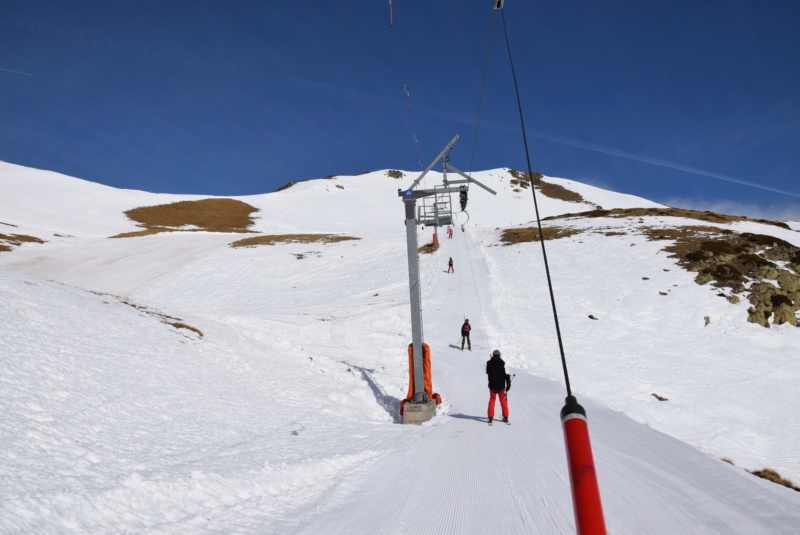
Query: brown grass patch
[290, 238]
[168, 320]
[684, 234]
[698, 247]
[147, 232]
[709, 217]
[771, 475]
[548, 189]
[287, 186]
[521, 235]
[9, 241]
[290, 184]
[180, 325]
[209, 215]
[394, 173]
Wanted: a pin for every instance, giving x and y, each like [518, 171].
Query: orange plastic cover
[426, 370]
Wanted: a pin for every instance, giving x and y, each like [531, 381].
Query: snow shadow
[483, 419]
[389, 403]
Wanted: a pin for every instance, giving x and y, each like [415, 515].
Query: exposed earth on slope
[761, 268]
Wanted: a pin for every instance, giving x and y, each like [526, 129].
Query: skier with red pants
[499, 383]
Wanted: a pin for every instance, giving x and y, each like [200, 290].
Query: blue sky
[690, 103]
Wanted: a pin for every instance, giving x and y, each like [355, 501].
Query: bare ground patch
[290, 238]
[9, 241]
[548, 189]
[208, 215]
[521, 235]
[168, 320]
[761, 268]
[329, 177]
[771, 475]
[290, 184]
[709, 217]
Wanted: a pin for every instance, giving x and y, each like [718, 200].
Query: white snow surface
[283, 418]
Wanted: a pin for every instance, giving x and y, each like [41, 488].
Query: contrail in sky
[561, 140]
[16, 72]
[656, 161]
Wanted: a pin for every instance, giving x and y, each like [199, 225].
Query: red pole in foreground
[583, 478]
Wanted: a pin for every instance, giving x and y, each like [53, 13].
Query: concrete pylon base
[418, 413]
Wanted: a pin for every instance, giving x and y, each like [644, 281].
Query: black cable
[483, 88]
[536, 206]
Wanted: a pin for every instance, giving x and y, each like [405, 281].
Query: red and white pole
[583, 478]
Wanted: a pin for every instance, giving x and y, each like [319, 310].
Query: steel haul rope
[536, 206]
[477, 295]
[587, 505]
[460, 286]
[483, 89]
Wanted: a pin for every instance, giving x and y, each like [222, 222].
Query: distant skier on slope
[450, 268]
[465, 329]
[499, 383]
[450, 232]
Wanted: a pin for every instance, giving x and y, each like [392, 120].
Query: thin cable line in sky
[16, 72]
[561, 140]
[656, 161]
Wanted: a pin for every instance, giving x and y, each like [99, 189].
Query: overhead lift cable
[483, 89]
[458, 275]
[538, 219]
[477, 294]
[498, 4]
[585, 491]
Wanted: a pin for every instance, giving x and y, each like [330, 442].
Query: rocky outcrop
[762, 268]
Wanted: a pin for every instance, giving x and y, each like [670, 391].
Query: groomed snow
[283, 416]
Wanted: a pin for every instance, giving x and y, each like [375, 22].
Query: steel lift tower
[420, 407]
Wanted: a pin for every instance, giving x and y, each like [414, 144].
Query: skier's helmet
[496, 353]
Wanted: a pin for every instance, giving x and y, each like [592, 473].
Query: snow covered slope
[173, 384]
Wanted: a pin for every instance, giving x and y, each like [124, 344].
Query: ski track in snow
[283, 418]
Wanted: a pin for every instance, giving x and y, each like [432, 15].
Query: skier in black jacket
[499, 382]
[465, 329]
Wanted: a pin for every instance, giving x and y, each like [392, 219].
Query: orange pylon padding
[435, 239]
[426, 370]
